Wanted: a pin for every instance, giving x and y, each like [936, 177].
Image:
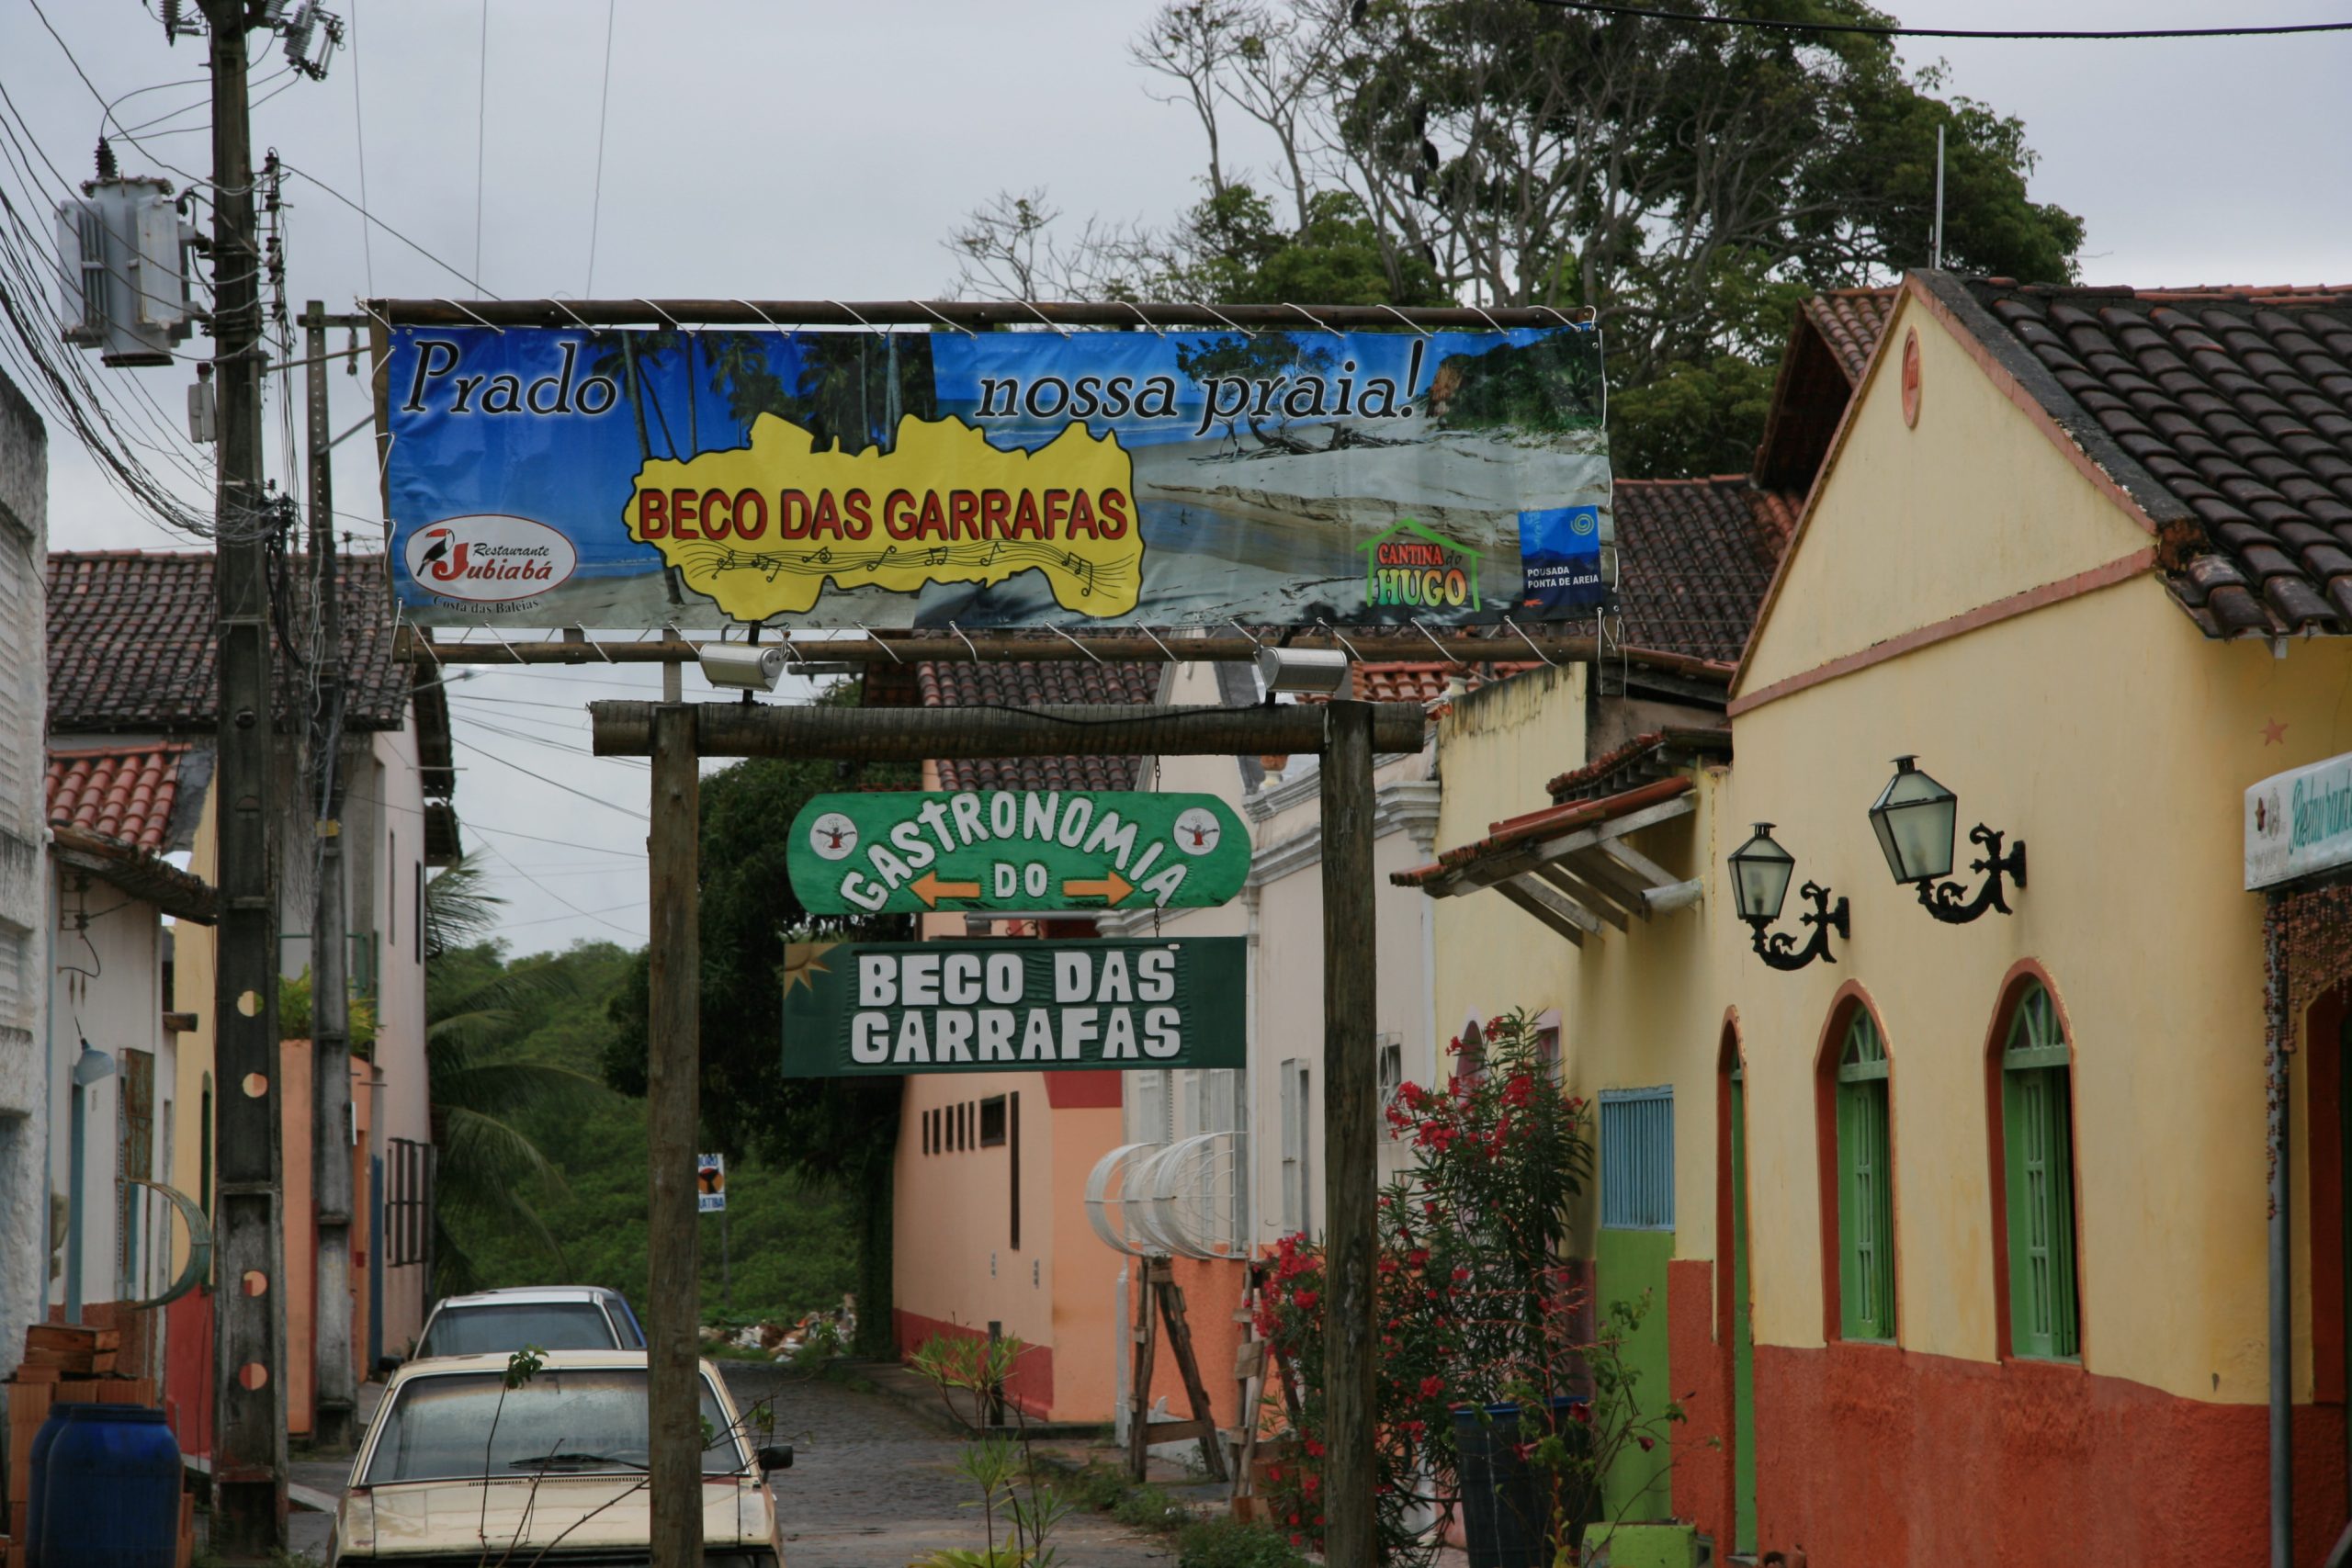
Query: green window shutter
[1865, 1187]
[2038, 1165]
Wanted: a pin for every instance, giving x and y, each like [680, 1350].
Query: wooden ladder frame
[1160, 1300]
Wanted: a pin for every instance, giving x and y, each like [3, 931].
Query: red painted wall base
[1701, 1370]
[1874, 1456]
[1031, 1386]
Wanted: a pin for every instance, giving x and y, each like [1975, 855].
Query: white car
[458, 1469]
[552, 1317]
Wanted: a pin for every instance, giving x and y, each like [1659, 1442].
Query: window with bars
[1865, 1185]
[1391, 1069]
[1637, 1159]
[2038, 1163]
[408, 1202]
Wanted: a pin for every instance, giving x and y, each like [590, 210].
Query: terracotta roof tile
[1421, 680]
[1697, 554]
[1549, 823]
[1850, 320]
[2237, 404]
[124, 796]
[1026, 684]
[130, 642]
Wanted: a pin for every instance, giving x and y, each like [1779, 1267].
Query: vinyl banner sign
[859, 1008]
[625, 478]
[1014, 850]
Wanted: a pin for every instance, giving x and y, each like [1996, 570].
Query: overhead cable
[1868, 29]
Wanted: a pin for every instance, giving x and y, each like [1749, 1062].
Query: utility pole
[674, 1111]
[1350, 1118]
[249, 1322]
[338, 1390]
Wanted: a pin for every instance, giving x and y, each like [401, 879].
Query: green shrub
[1226, 1542]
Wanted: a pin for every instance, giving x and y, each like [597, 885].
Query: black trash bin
[1506, 1507]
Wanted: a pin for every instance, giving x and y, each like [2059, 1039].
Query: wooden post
[672, 1094]
[1147, 1330]
[1350, 1174]
[249, 1301]
[1188, 1365]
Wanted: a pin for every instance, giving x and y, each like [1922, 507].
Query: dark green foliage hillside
[792, 1242]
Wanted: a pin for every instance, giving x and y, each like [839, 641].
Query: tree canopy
[1682, 185]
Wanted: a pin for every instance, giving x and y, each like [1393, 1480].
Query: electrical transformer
[123, 279]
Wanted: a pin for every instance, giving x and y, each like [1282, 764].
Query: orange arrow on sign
[1110, 888]
[930, 890]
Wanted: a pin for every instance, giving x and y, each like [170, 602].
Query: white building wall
[384, 902]
[105, 988]
[1281, 913]
[24, 1136]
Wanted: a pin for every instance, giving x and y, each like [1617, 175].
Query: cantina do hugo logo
[489, 559]
[1412, 566]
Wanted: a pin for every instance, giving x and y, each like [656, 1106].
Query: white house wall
[1281, 913]
[106, 987]
[404, 1108]
[24, 1135]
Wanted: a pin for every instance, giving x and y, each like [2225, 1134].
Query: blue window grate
[1637, 1159]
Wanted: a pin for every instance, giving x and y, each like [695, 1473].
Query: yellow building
[1998, 1204]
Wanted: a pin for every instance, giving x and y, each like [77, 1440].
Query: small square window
[992, 1122]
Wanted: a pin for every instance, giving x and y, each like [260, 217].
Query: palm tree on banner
[632, 358]
[477, 1006]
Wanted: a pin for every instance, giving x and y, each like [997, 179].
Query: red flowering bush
[1471, 1298]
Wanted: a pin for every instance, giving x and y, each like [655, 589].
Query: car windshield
[503, 1329]
[561, 1422]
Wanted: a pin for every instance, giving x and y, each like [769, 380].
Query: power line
[559, 898]
[104, 107]
[1608, 8]
[482, 142]
[469, 825]
[361, 209]
[596, 201]
[591, 914]
[567, 789]
[359, 132]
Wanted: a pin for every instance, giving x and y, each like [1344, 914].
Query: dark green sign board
[857, 1008]
[1022, 851]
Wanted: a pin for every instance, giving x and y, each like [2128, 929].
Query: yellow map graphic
[761, 529]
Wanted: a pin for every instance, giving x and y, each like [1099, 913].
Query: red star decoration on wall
[2274, 733]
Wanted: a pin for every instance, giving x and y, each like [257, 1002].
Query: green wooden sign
[1022, 851]
[854, 1009]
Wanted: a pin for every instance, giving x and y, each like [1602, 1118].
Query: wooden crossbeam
[1582, 892]
[1526, 899]
[970, 314]
[915, 735]
[1375, 645]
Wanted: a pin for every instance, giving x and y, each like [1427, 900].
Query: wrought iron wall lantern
[1915, 818]
[1760, 870]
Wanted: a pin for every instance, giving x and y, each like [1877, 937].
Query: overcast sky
[774, 148]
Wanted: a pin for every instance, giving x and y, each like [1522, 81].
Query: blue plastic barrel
[56, 1423]
[106, 1489]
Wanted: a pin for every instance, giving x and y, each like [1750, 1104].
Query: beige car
[459, 1469]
